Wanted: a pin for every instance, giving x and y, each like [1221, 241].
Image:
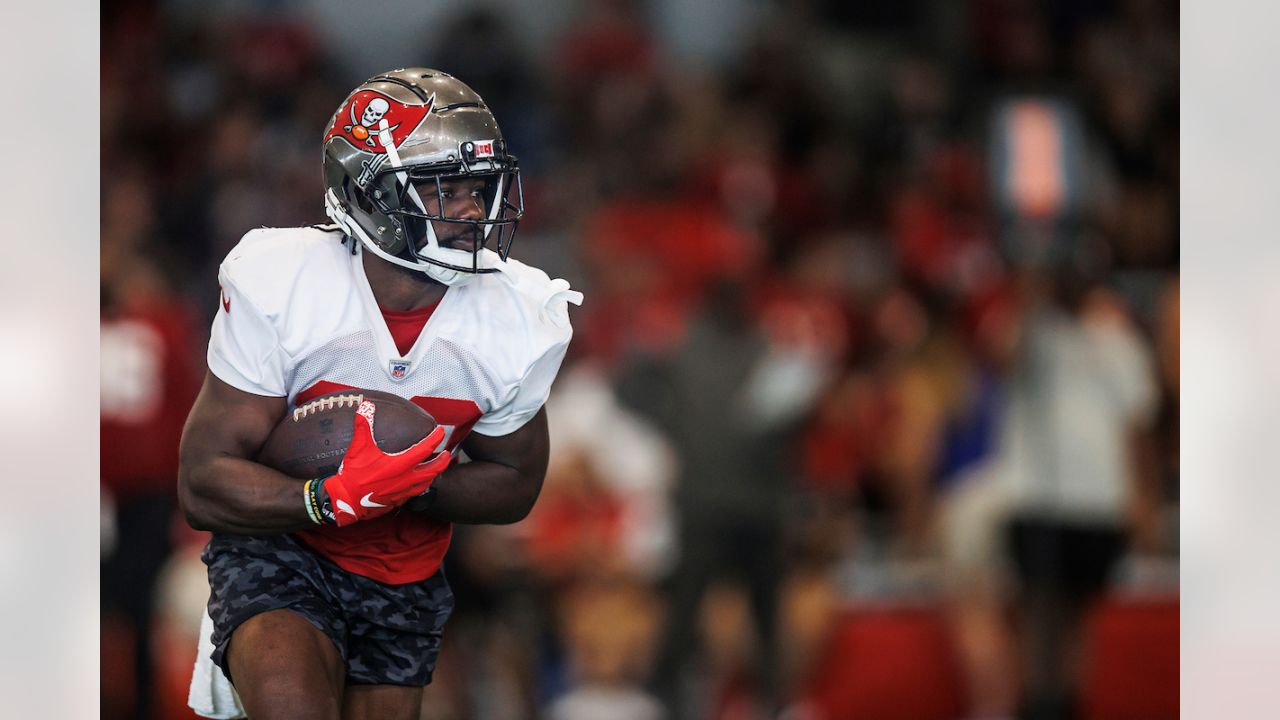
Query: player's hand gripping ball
[360, 467]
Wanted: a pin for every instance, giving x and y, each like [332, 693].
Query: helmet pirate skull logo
[365, 127]
[361, 118]
[374, 111]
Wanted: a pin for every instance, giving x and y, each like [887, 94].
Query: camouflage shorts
[386, 634]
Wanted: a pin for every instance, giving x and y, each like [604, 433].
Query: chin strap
[333, 208]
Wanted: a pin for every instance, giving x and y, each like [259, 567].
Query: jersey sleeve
[529, 396]
[531, 392]
[244, 348]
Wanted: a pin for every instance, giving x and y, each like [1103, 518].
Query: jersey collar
[396, 366]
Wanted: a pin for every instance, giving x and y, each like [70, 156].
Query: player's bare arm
[502, 481]
[219, 487]
[224, 491]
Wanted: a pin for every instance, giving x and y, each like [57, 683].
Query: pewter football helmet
[387, 150]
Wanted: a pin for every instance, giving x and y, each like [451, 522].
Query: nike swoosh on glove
[371, 482]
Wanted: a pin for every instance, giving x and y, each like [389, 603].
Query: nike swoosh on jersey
[365, 501]
[345, 507]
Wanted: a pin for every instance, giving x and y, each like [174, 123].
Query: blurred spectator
[576, 532]
[717, 395]
[1168, 349]
[149, 379]
[606, 63]
[630, 462]
[653, 261]
[1081, 396]
[609, 630]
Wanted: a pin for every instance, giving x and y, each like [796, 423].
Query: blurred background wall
[872, 408]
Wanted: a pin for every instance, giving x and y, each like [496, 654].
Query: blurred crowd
[872, 406]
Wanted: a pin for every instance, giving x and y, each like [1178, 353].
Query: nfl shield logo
[399, 368]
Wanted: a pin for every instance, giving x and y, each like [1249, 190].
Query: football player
[327, 598]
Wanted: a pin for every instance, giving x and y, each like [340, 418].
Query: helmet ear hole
[363, 201]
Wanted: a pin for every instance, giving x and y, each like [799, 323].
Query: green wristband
[309, 502]
[324, 508]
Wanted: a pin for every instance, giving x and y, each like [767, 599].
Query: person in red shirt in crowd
[149, 379]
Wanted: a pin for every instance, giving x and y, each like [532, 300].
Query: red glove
[371, 482]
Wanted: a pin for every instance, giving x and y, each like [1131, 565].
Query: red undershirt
[406, 325]
[397, 548]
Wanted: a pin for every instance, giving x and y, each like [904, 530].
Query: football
[311, 441]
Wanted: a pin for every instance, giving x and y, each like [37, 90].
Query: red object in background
[847, 436]
[831, 463]
[735, 699]
[652, 261]
[271, 52]
[1131, 669]
[607, 46]
[889, 663]
[149, 381]
[116, 650]
[958, 170]
[922, 234]
[816, 321]
[568, 529]
[176, 655]
[691, 243]
[786, 198]
[612, 325]
[937, 222]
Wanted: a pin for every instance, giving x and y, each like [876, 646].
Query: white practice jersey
[297, 311]
[299, 320]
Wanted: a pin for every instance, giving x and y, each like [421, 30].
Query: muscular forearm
[231, 495]
[482, 492]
